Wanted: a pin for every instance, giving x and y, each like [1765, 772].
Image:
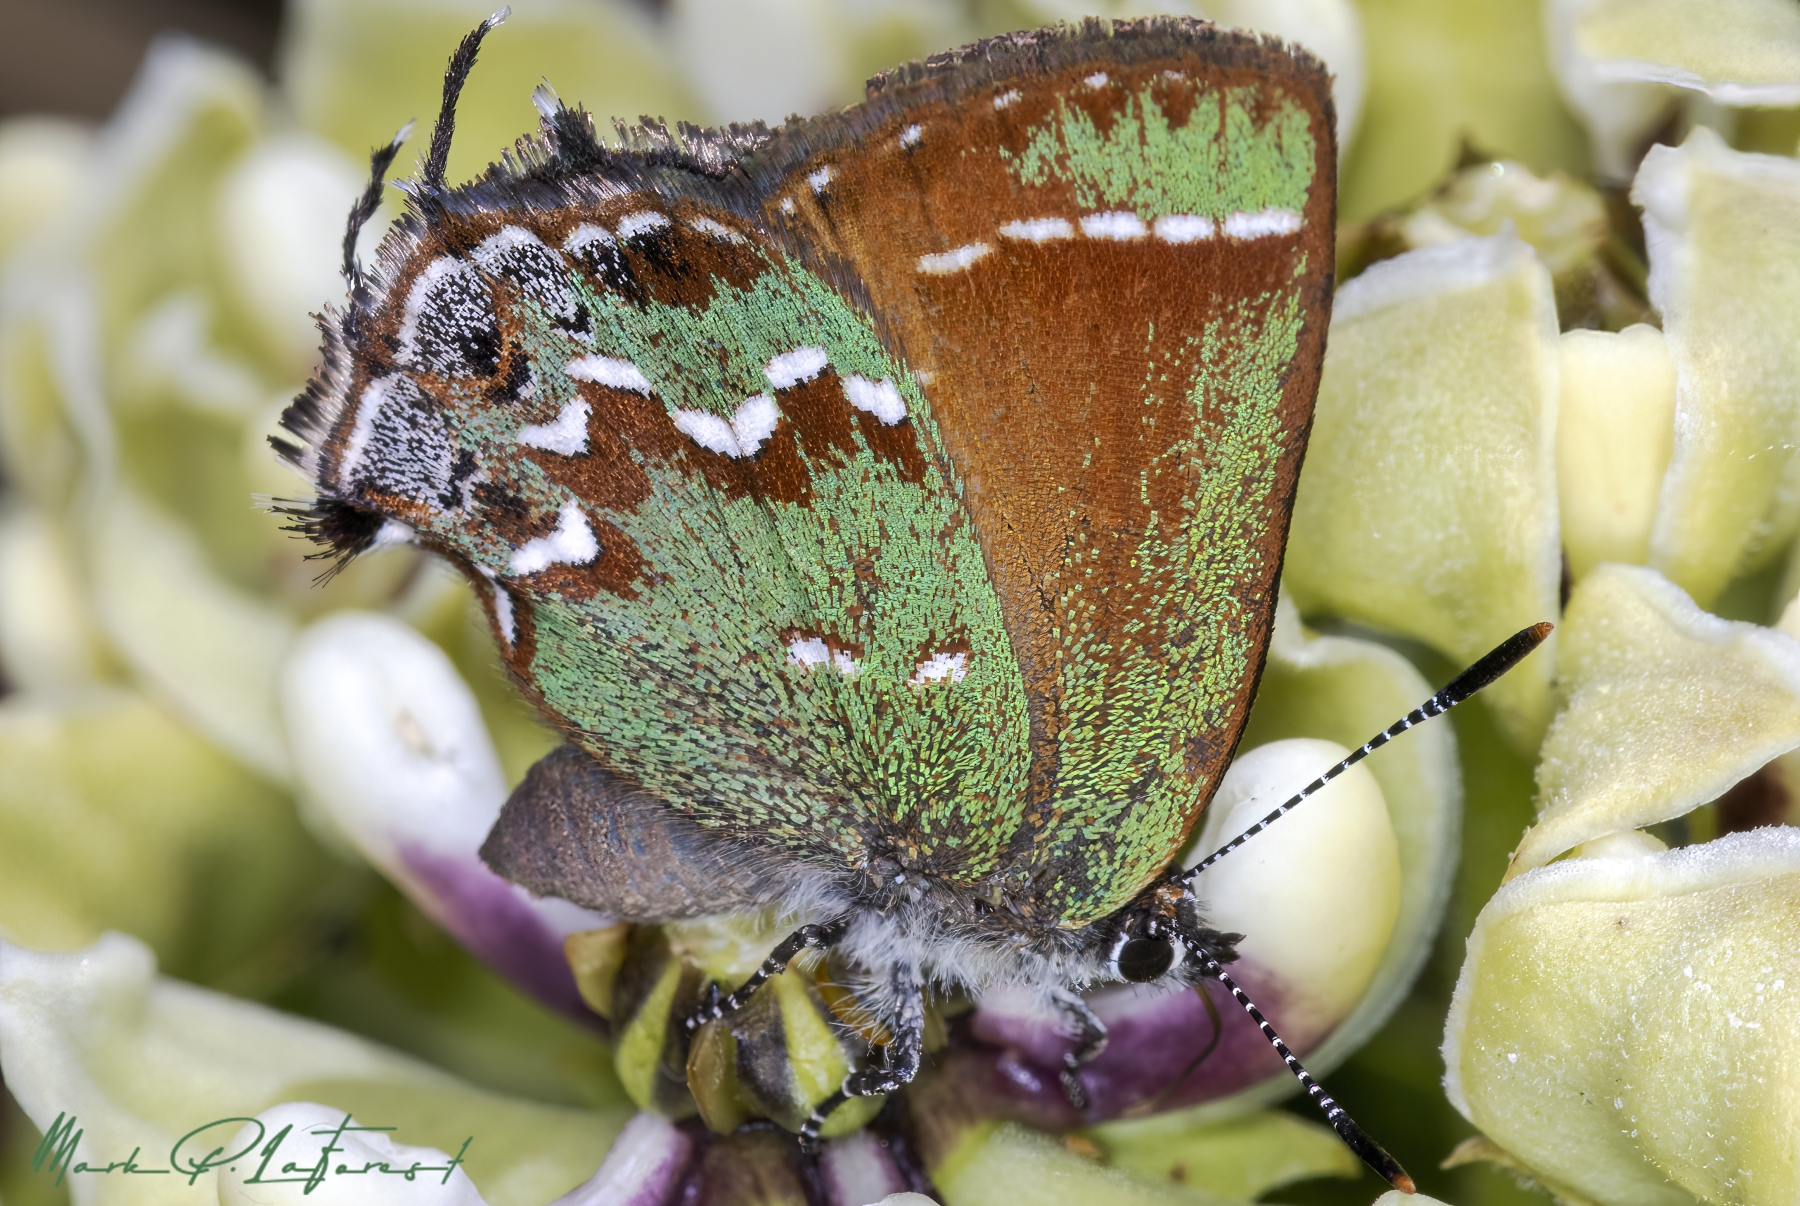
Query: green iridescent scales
[1143, 703]
[687, 681]
[1222, 160]
[690, 682]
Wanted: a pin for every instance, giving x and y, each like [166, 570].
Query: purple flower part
[858, 1169]
[643, 1167]
[496, 924]
[1152, 1038]
[1021, 1026]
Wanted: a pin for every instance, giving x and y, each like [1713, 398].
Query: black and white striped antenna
[1354, 1137]
[1504, 657]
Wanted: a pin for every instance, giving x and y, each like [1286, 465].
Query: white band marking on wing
[566, 434]
[945, 262]
[606, 370]
[572, 543]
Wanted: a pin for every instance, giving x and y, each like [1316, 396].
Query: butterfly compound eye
[1142, 960]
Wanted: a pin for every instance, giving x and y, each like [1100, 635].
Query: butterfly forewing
[1109, 260]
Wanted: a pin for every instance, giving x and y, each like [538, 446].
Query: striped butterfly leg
[717, 1005]
[1358, 1140]
[1498, 661]
[1093, 1041]
[894, 1066]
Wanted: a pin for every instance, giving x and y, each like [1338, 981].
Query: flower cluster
[1563, 382]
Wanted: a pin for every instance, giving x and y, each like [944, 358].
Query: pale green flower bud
[1739, 52]
[1620, 116]
[1626, 1027]
[1664, 707]
[1627, 66]
[1724, 236]
[1399, 523]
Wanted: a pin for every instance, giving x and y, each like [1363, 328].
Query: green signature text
[198, 1152]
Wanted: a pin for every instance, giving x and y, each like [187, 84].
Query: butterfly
[888, 508]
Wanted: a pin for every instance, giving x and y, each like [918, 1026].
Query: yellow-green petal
[1664, 707]
[145, 228]
[1615, 432]
[1724, 236]
[49, 641]
[1446, 76]
[1007, 1163]
[1427, 505]
[1741, 52]
[209, 648]
[1630, 1027]
[115, 816]
[1236, 1158]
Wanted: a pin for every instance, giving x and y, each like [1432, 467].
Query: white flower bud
[1317, 893]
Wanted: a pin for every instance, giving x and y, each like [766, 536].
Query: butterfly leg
[808, 937]
[895, 1066]
[1093, 1042]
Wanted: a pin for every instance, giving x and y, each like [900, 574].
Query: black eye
[1142, 960]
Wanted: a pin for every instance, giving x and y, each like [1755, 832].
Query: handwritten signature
[192, 1157]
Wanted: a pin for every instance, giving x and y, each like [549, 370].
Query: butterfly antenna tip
[1498, 661]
